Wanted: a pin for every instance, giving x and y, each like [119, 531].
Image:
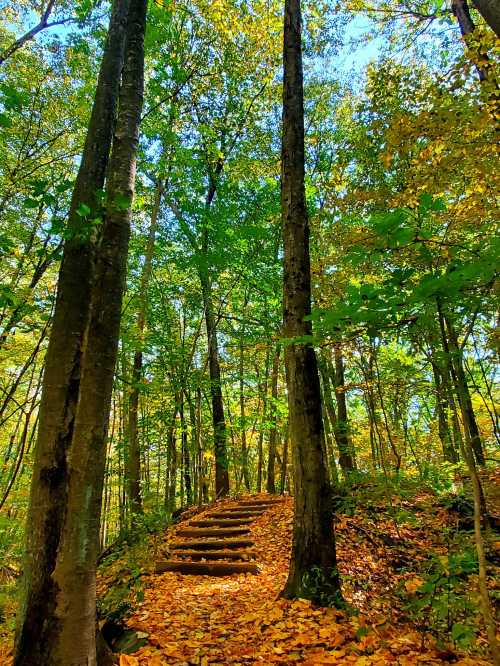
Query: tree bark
[460, 10]
[454, 354]
[61, 386]
[449, 452]
[186, 461]
[219, 423]
[74, 614]
[74, 574]
[490, 11]
[342, 417]
[243, 425]
[271, 484]
[260, 443]
[313, 567]
[345, 460]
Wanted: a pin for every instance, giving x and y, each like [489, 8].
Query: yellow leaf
[127, 660]
[413, 584]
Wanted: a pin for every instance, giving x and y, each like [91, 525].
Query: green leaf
[31, 203]
[5, 120]
[83, 210]
[122, 201]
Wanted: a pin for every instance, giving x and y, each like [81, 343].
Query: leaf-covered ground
[409, 577]
[388, 548]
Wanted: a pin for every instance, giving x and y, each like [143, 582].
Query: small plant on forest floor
[318, 588]
[439, 603]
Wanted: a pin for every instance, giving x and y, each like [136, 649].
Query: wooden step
[215, 532]
[258, 502]
[212, 544]
[207, 568]
[264, 507]
[216, 554]
[236, 513]
[220, 522]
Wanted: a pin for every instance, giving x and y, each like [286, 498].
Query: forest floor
[409, 577]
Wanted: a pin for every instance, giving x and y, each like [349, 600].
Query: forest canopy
[246, 248]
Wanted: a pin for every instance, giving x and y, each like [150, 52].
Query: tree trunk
[342, 418]
[454, 354]
[313, 567]
[68, 630]
[460, 10]
[134, 453]
[271, 485]
[243, 425]
[219, 423]
[345, 460]
[260, 444]
[171, 471]
[186, 462]
[49, 487]
[490, 11]
[284, 461]
[449, 452]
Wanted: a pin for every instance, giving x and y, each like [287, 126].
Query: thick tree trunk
[69, 622]
[313, 567]
[219, 423]
[134, 452]
[49, 487]
[271, 484]
[490, 11]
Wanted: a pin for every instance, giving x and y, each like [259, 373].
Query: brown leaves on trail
[240, 620]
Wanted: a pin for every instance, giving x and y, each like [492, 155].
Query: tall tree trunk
[271, 485]
[243, 425]
[49, 486]
[480, 510]
[313, 567]
[171, 471]
[452, 349]
[219, 423]
[490, 11]
[449, 452]
[186, 463]
[260, 443]
[284, 461]
[342, 418]
[463, 392]
[68, 631]
[345, 461]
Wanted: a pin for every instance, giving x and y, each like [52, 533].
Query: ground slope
[385, 548]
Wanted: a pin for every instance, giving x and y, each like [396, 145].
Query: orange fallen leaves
[240, 620]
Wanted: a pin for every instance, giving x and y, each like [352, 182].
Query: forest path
[219, 543]
[239, 619]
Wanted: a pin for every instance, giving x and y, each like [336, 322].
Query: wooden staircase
[220, 543]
